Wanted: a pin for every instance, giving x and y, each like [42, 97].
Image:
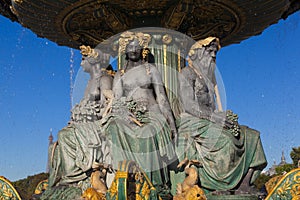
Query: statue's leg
[245, 187]
[67, 147]
[54, 164]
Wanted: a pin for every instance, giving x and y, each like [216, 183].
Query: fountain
[92, 22]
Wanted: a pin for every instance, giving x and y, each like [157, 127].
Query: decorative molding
[7, 191]
[89, 22]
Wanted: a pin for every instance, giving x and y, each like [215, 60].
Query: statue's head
[132, 44]
[133, 50]
[91, 57]
[209, 45]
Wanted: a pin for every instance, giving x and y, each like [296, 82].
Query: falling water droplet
[71, 76]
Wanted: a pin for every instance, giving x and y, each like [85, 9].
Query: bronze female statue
[82, 144]
[141, 125]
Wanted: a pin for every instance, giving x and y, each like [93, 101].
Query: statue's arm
[187, 93]
[162, 100]
[117, 86]
[106, 82]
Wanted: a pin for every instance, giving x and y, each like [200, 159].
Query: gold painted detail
[272, 183]
[7, 191]
[287, 187]
[188, 189]
[178, 61]
[165, 66]
[194, 193]
[121, 175]
[145, 53]
[41, 187]
[167, 39]
[143, 38]
[137, 184]
[92, 194]
[18, 1]
[13, 10]
[88, 51]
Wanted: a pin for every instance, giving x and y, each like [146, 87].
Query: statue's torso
[137, 84]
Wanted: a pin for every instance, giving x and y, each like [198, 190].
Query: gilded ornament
[97, 181]
[272, 183]
[120, 174]
[113, 188]
[92, 194]
[18, 1]
[145, 190]
[138, 187]
[195, 193]
[88, 51]
[126, 37]
[167, 39]
[138, 197]
[13, 10]
[288, 187]
[139, 177]
[41, 187]
[7, 191]
[145, 52]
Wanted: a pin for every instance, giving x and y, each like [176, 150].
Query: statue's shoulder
[151, 67]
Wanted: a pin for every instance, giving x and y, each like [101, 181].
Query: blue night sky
[261, 76]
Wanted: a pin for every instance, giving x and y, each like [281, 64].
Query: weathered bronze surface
[73, 22]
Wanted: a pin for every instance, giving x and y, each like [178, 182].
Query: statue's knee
[64, 134]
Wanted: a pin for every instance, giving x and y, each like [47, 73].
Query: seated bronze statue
[81, 145]
[230, 155]
[141, 125]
